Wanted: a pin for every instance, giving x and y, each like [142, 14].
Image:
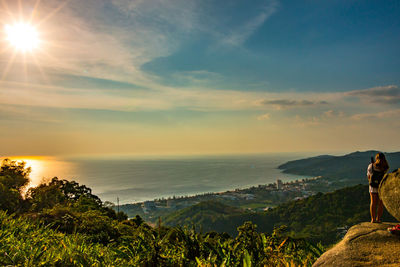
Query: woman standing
[375, 173]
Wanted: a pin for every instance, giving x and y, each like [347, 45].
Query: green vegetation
[13, 179]
[204, 216]
[26, 243]
[351, 167]
[61, 223]
[319, 218]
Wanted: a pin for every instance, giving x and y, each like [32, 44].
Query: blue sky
[167, 77]
[300, 45]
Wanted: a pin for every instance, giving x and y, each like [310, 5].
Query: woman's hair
[380, 161]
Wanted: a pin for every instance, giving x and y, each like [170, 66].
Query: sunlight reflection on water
[45, 168]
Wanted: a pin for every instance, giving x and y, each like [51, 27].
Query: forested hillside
[351, 166]
[322, 217]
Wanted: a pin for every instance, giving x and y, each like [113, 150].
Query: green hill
[204, 214]
[352, 166]
[322, 217]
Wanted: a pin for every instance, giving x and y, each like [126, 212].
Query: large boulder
[365, 244]
[389, 192]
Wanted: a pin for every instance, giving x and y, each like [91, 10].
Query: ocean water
[134, 179]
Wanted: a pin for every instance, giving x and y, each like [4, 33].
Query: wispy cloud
[389, 94]
[196, 78]
[333, 114]
[326, 118]
[120, 97]
[180, 16]
[200, 99]
[264, 117]
[310, 121]
[17, 114]
[88, 38]
[287, 103]
[170, 16]
[240, 34]
[395, 113]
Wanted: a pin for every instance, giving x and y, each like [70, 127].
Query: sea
[135, 179]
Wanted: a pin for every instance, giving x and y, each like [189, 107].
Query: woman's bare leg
[380, 210]
[372, 206]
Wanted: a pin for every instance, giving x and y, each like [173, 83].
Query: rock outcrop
[370, 244]
[389, 192]
[365, 244]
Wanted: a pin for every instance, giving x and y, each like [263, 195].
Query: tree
[14, 177]
[14, 174]
[57, 191]
[44, 196]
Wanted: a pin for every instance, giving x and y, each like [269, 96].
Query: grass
[27, 243]
[24, 243]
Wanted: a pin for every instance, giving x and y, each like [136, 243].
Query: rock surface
[389, 192]
[365, 244]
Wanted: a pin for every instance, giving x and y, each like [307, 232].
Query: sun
[22, 36]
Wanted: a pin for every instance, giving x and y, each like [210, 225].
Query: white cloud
[194, 16]
[280, 104]
[240, 34]
[88, 38]
[179, 15]
[80, 40]
[263, 117]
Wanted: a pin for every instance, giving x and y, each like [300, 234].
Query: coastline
[254, 199]
[135, 180]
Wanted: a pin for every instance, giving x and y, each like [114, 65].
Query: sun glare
[36, 164]
[22, 36]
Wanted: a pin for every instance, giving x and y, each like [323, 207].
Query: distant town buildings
[274, 192]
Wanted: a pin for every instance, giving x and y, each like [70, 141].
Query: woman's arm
[369, 171]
